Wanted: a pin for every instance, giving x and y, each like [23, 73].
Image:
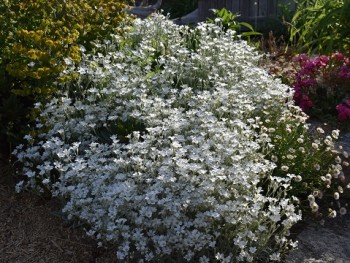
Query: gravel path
[318, 244]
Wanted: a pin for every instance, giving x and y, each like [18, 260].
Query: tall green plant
[321, 26]
[229, 21]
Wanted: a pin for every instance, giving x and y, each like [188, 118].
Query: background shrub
[321, 26]
[37, 41]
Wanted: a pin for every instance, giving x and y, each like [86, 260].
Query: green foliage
[38, 39]
[122, 129]
[229, 21]
[321, 26]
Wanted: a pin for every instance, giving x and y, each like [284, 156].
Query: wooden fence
[248, 9]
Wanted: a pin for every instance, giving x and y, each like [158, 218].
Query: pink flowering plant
[322, 85]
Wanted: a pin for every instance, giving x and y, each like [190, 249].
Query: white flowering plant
[160, 147]
[312, 159]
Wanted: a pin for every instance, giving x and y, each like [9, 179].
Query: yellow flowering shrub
[36, 38]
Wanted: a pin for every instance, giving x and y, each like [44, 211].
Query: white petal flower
[336, 195]
[161, 147]
[342, 211]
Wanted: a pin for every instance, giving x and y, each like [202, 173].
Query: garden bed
[168, 142]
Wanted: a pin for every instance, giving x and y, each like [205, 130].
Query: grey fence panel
[247, 8]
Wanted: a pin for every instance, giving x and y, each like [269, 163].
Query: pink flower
[305, 83]
[297, 96]
[324, 58]
[321, 61]
[310, 65]
[343, 111]
[344, 71]
[315, 74]
[338, 56]
[342, 115]
[303, 101]
[304, 72]
[300, 58]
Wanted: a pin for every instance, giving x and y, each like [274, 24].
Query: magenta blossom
[303, 101]
[344, 72]
[343, 111]
[338, 56]
[321, 61]
[310, 65]
[301, 58]
[322, 80]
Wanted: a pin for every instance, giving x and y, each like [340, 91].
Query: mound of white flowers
[154, 147]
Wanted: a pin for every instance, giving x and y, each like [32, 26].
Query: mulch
[33, 230]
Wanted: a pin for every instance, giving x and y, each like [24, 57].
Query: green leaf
[245, 34]
[150, 74]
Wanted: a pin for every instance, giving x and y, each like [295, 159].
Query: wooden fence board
[229, 6]
[247, 8]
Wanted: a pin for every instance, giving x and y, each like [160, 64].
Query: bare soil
[33, 230]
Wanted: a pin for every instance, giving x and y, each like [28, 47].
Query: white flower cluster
[155, 151]
[311, 159]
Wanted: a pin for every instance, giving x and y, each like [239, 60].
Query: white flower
[284, 168]
[314, 206]
[274, 158]
[19, 186]
[163, 150]
[252, 250]
[68, 61]
[320, 130]
[275, 257]
[335, 134]
[328, 177]
[337, 159]
[342, 211]
[327, 142]
[311, 198]
[298, 178]
[332, 213]
[336, 195]
[340, 189]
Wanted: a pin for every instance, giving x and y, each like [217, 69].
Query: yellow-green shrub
[37, 36]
